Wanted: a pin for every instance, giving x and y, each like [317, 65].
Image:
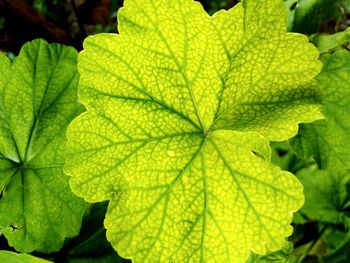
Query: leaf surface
[181, 108]
[38, 100]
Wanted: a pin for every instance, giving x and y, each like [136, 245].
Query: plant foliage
[180, 109]
[185, 134]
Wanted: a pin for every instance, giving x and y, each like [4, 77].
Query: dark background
[64, 21]
[70, 21]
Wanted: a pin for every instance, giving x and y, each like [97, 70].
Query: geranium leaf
[325, 195]
[38, 100]
[328, 140]
[181, 108]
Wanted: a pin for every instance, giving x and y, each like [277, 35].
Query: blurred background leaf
[331, 43]
[311, 16]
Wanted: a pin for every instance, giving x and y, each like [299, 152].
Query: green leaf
[282, 155]
[325, 195]
[328, 140]
[337, 254]
[290, 5]
[178, 107]
[346, 5]
[12, 257]
[329, 43]
[310, 14]
[38, 100]
[336, 239]
[282, 256]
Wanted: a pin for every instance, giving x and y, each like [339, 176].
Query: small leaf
[181, 108]
[329, 43]
[339, 243]
[325, 195]
[282, 256]
[336, 239]
[37, 102]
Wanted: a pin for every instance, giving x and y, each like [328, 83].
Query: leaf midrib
[38, 113]
[6, 118]
[169, 188]
[177, 63]
[241, 189]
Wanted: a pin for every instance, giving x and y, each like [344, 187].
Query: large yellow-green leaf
[38, 100]
[328, 140]
[181, 108]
